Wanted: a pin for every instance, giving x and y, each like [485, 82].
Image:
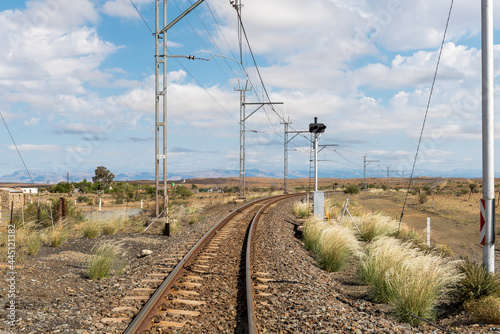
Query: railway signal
[318, 199]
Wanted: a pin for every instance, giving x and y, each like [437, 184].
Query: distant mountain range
[51, 178]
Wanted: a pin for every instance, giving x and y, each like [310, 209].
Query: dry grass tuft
[373, 225]
[486, 309]
[108, 257]
[56, 235]
[418, 283]
[313, 229]
[382, 255]
[337, 245]
[91, 229]
[301, 209]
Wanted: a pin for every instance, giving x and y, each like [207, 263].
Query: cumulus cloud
[123, 8]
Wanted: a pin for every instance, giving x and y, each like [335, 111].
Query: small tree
[473, 189]
[103, 177]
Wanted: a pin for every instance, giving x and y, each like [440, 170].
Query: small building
[28, 190]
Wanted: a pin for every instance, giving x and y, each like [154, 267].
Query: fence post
[11, 211]
[429, 232]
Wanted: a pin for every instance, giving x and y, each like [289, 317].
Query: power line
[142, 17]
[17, 149]
[355, 164]
[426, 112]
[187, 71]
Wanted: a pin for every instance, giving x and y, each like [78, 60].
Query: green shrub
[422, 198]
[476, 282]
[108, 257]
[351, 189]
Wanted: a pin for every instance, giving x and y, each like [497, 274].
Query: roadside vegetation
[399, 268]
[107, 258]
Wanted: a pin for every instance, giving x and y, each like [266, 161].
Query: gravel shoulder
[55, 296]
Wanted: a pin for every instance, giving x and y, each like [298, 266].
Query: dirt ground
[454, 220]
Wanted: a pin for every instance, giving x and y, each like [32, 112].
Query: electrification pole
[388, 173]
[487, 236]
[366, 163]
[161, 91]
[286, 141]
[243, 119]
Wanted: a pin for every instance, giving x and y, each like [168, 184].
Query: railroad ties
[205, 284]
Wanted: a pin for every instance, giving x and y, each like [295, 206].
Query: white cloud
[123, 8]
[33, 147]
[31, 123]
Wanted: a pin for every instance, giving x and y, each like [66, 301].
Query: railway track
[214, 281]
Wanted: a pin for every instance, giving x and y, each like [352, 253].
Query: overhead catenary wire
[185, 69]
[426, 113]
[17, 148]
[211, 38]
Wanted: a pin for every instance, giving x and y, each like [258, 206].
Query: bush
[422, 198]
[476, 282]
[183, 192]
[84, 199]
[108, 257]
[351, 189]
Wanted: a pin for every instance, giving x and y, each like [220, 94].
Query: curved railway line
[214, 277]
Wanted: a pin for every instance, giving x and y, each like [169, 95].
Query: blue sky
[77, 84]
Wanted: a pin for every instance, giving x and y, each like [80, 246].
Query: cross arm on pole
[190, 9]
[324, 146]
[260, 104]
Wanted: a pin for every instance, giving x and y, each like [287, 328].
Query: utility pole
[243, 119]
[487, 236]
[388, 173]
[366, 163]
[285, 154]
[242, 137]
[161, 92]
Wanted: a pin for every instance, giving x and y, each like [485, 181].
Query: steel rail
[251, 318]
[142, 320]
